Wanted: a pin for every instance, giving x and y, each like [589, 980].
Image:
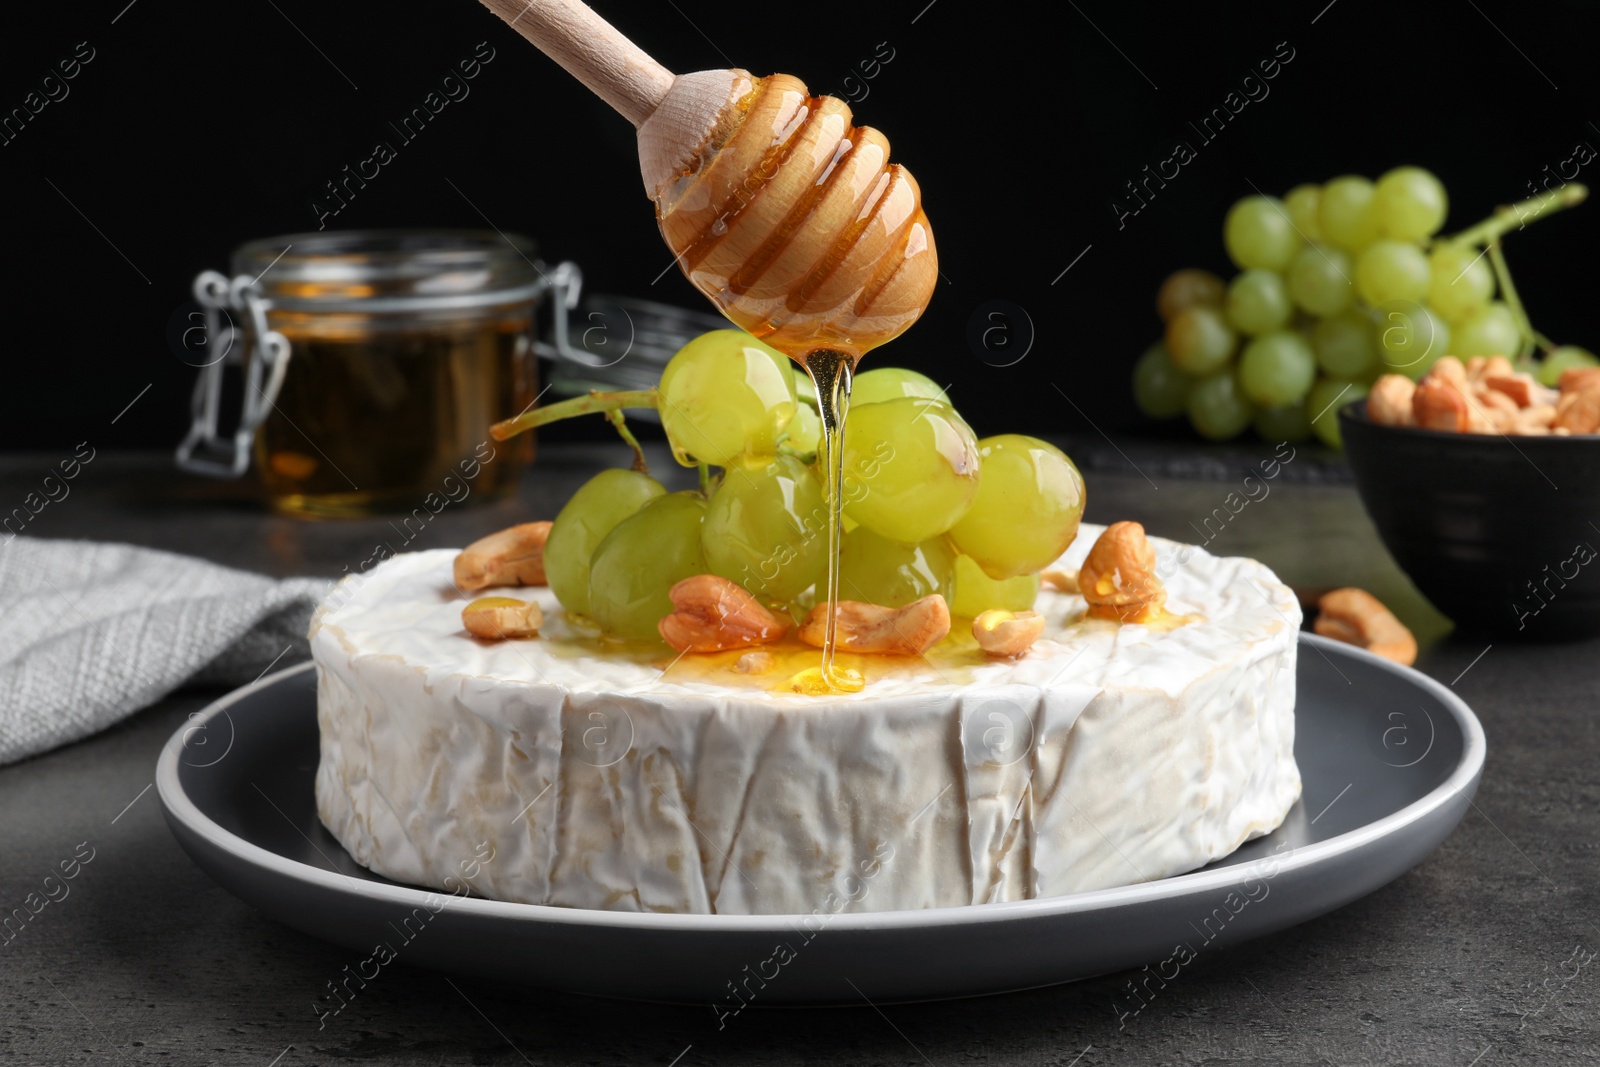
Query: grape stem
[614, 416]
[705, 478]
[1488, 233]
[595, 402]
[1510, 217]
[1508, 292]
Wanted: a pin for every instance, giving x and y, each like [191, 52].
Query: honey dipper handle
[591, 50]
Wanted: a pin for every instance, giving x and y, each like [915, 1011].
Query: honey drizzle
[954, 661]
[831, 373]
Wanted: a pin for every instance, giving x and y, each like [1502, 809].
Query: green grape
[910, 467]
[803, 436]
[1348, 214]
[1410, 339]
[890, 383]
[1200, 340]
[805, 431]
[1562, 358]
[1258, 302]
[1392, 270]
[1302, 204]
[637, 564]
[1344, 345]
[1319, 280]
[876, 570]
[594, 511]
[1323, 404]
[1258, 233]
[725, 394]
[1218, 408]
[1028, 507]
[1159, 388]
[1489, 331]
[805, 390]
[1290, 424]
[1185, 289]
[1411, 204]
[1277, 369]
[766, 528]
[1462, 281]
[977, 593]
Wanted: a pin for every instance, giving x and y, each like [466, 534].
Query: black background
[198, 126]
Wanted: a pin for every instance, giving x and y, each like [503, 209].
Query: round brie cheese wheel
[566, 770]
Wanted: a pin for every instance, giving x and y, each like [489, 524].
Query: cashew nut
[1576, 379]
[1118, 578]
[1451, 369]
[1536, 418]
[1389, 402]
[1007, 633]
[1518, 387]
[1578, 410]
[1440, 404]
[713, 614]
[511, 557]
[907, 631]
[1356, 617]
[1480, 368]
[498, 618]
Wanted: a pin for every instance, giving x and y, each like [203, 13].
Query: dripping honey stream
[831, 372]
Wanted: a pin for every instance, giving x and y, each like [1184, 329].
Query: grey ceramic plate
[1390, 760]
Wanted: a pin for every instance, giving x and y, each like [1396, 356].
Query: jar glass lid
[383, 270]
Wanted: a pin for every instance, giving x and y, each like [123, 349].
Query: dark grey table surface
[1479, 956]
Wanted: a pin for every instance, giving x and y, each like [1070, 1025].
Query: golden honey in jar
[399, 349]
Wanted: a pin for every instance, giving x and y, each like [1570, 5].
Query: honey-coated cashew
[514, 556]
[1118, 577]
[1356, 617]
[713, 614]
[906, 631]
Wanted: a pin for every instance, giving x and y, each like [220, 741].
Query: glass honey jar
[373, 364]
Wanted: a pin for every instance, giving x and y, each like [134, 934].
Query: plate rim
[182, 810]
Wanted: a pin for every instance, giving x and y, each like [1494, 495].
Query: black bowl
[1501, 533]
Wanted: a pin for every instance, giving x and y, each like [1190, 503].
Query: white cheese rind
[1110, 755]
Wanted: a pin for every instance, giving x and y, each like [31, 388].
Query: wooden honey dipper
[790, 219]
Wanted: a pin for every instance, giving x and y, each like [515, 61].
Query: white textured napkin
[92, 632]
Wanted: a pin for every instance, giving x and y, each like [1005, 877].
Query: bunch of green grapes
[929, 507]
[1339, 284]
